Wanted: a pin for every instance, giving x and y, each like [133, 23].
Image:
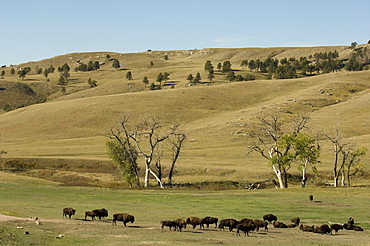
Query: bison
[124, 217]
[325, 229]
[246, 228]
[69, 212]
[231, 223]
[336, 227]
[306, 228]
[269, 217]
[180, 223]
[316, 229]
[209, 220]
[278, 224]
[90, 214]
[101, 213]
[357, 228]
[194, 221]
[169, 223]
[260, 223]
[296, 221]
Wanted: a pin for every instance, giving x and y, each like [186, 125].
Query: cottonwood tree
[147, 137]
[353, 163]
[176, 141]
[270, 144]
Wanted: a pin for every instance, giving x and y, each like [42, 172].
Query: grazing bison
[260, 224]
[180, 223]
[306, 228]
[336, 227]
[124, 217]
[209, 220]
[69, 212]
[296, 221]
[194, 221]
[269, 217]
[325, 229]
[90, 214]
[245, 221]
[246, 228]
[169, 223]
[101, 213]
[231, 223]
[278, 224]
[310, 197]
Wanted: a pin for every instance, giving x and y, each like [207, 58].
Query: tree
[208, 66]
[166, 58]
[12, 71]
[151, 64]
[39, 71]
[116, 64]
[92, 83]
[230, 76]
[2, 73]
[197, 78]
[146, 81]
[353, 163]
[65, 75]
[211, 75]
[219, 66]
[226, 67]
[166, 77]
[307, 152]
[22, 73]
[190, 78]
[129, 75]
[353, 45]
[124, 157]
[270, 142]
[46, 73]
[160, 78]
[146, 137]
[176, 140]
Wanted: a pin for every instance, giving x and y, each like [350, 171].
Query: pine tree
[116, 64]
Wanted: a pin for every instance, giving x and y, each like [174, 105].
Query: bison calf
[124, 217]
[69, 212]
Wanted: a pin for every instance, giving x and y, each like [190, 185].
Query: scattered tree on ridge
[190, 78]
[145, 81]
[129, 75]
[116, 64]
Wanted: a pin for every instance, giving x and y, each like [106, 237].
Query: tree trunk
[304, 177]
[156, 177]
[279, 176]
[343, 179]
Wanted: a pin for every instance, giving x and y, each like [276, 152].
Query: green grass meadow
[29, 197]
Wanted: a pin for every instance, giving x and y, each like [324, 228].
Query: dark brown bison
[69, 212]
[269, 217]
[310, 197]
[336, 227]
[180, 223]
[194, 221]
[245, 221]
[325, 229]
[209, 220]
[245, 227]
[124, 217]
[231, 223]
[90, 214]
[101, 213]
[169, 223]
[278, 224]
[357, 228]
[306, 227]
[261, 224]
[296, 221]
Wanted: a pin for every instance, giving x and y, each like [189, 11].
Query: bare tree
[271, 143]
[353, 164]
[146, 137]
[176, 140]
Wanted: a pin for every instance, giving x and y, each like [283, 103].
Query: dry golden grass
[74, 126]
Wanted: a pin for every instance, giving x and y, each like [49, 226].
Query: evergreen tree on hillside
[129, 75]
[197, 78]
[190, 78]
[12, 71]
[146, 81]
[2, 73]
[116, 64]
[226, 67]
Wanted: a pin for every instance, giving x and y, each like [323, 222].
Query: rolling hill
[74, 126]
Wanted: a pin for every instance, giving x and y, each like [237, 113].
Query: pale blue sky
[33, 30]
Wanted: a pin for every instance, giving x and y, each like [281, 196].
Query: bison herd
[244, 225]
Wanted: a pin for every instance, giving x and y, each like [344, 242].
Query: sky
[33, 30]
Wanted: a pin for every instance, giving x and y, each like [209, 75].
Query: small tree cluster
[90, 66]
[92, 83]
[23, 72]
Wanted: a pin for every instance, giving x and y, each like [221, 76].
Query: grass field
[29, 197]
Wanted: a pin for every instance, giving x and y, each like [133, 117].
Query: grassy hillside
[74, 126]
